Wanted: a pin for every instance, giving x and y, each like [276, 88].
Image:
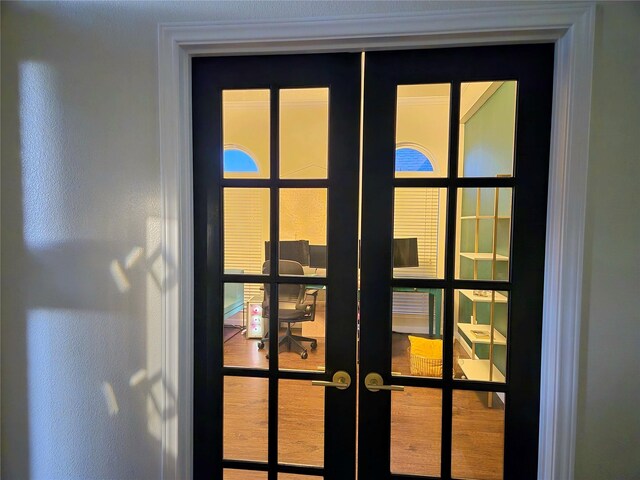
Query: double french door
[369, 250]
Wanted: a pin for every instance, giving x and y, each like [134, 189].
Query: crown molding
[504, 24]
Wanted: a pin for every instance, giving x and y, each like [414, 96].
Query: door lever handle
[374, 383]
[341, 381]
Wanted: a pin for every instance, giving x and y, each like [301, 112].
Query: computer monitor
[318, 256]
[405, 252]
[296, 250]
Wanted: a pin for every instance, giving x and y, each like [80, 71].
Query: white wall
[608, 411]
[80, 191]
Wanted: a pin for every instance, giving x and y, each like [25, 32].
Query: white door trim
[569, 25]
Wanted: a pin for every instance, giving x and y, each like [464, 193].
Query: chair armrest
[312, 292]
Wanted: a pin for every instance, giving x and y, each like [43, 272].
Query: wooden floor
[230, 474]
[477, 446]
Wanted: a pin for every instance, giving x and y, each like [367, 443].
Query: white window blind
[245, 222]
[416, 215]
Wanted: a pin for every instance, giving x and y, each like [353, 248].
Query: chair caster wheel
[304, 355]
[260, 345]
[267, 356]
[314, 345]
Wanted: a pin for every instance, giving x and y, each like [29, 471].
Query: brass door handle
[341, 381]
[374, 383]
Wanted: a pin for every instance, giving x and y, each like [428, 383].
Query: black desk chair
[293, 307]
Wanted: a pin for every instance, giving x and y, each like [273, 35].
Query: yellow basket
[425, 357]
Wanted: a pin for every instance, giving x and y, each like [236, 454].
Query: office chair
[293, 307]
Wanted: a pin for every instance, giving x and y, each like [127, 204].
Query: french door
[297, 119]
[420, 359]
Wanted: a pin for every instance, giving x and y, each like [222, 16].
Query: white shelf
[479, 370]
[499, 297]
[469, 328]
[483, 256]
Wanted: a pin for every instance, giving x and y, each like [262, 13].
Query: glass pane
[301, 339]
[304, 132]
[487, 128]
[233, 474]
[416, 424]
[422, 130]
[245, 418]
[484, 233]
[303, 230]
[245, 133]
[477, 444]
[300, 423]
[246, 229]
[419, 226]
[244, 325]
[481, 335]
[417, 332]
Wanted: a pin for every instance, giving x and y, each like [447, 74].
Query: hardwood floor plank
[478, 431]
[233, 474]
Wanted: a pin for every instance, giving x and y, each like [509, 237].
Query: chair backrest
[286, 292]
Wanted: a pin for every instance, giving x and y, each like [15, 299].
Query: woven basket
[423, 366]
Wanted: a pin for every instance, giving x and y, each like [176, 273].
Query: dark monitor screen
[405, 252]
[296, 250]
[318, 256]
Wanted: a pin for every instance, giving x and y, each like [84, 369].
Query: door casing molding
[569, 25]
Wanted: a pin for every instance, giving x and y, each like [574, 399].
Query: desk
[405, 309]
[233, 303]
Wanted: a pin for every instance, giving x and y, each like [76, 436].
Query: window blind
[416, 215]
[245, 231]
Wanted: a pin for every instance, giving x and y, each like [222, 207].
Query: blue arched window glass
[411, 160]
[238, 161]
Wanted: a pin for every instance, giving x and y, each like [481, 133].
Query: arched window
[238, 161]
[409, 159]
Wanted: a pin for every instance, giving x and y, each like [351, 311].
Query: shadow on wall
[83, 395]
[93, 360]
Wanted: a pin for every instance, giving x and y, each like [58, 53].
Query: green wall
[489, 134]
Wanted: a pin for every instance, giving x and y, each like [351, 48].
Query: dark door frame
[570, 26]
